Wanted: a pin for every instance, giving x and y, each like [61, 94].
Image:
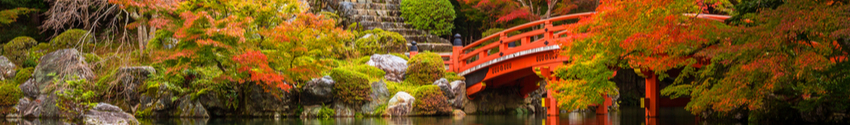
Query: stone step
[376, 12]
[377, 6]
[363, 18]
[383, 25]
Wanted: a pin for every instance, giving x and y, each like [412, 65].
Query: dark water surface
[627, 116]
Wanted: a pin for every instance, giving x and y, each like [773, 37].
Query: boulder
[29, 89]
[262, 103]
[458, 112]
[380, 94]
[190, 109]
[318, 91]
[401, 104]
[131, 78]
[311, 111]
[343, 110]
[62, 64]
[394, 66]
[108, 114]
[7, 69]
[43, 106]
[444, 85]
[459, 89]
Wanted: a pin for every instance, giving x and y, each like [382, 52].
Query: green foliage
[394, 87]
[452, 76]
[430, 101]
[17, 49]
[36, 4]
[374, 73]
[23, 75]
[11, 15]
[34, 55]
[362, 60]
[746, 11]
[326, 112]
[401, 55]
[435, 16]
[73, 38]
[91, 58]
[378, 41]
[9, 95]
[79, 97]
[424, 69]
[351, 87]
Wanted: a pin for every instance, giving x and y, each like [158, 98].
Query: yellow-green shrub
[424, 69]
[71, 38]
[16, 50]
[374, 73]
[380, 42]
[401, 55]
[23, 75]
[430, 101]
[9, 95]
[351, 87]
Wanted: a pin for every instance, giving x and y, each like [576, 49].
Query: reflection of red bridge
[508, 60]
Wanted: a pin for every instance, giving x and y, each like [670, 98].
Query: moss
[394, 87]
[374, 73]
[401, 55]
[351, 87]
[452, 76]
[17, 49]
[430, 101]
[71, 38]
[91, 58]
[9, 93]
[380, 110]
[362, 60]
[23, 75]
[424, 69]
[380, 42]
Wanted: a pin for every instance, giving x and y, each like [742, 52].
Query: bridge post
[651, 107]
[550, 102]
[413, 49]
[457, 47]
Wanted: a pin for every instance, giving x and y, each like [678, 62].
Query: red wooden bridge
[502, 59]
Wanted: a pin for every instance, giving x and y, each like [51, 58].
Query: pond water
[626, 116]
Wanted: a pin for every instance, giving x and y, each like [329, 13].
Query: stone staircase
[386, 14]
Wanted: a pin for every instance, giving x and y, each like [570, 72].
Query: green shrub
[401, 55]
[9, 95]
[17, 49]
[380, 42]
[374, 73]
[430, 101]
[452, 76]
[34, 55]
[71, 38]
[424, 69]
[326, 112]
[23, 75]
[363, 60]
[78, 98]
[435, 16]
[91, 58]
[351, 87]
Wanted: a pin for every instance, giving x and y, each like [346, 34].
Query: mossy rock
[9, 93]
[424, 69]
[373, 72]
[430, 101]
[71, 38]
[17, 49]
[378, 41]
[351, 87]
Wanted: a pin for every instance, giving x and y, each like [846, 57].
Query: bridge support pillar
[550, 103]
[603, 108]
[652, 94]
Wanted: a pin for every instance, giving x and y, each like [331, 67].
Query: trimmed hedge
[380, 42]
[351, 87]
[430, 101]
[435, 16]
[424, 69]
[17, 49]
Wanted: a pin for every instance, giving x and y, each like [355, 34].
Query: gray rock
[311, 111]
[343, 110]
[43, 106]
[445, 87]
[7, 69]
[190, 109]
[394, 66]
[65, 64]
[262, 103]
[108, 114]
[29, 89]
[130, 79]
[459, 88]
[401, 104]
[380, 95]
[318, 91]
[25, 107]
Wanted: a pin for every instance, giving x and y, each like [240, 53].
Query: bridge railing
[475, 54]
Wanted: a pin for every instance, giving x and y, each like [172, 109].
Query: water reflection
[627, 116]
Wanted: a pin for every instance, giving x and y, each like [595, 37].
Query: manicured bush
[351, 87]
[9, 95]
[17, 49]
[71, 38]
[434, 16]
[378, 41]
[23, 75]
[371, 71]
[430, 101]
[424, 69]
